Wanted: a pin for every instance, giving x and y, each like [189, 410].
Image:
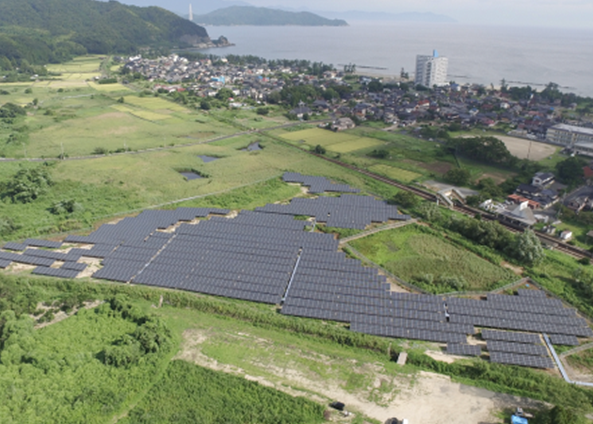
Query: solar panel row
[510, 347]
[317, 184]
[55, 272]
[463, 349]
[522, 360]
[511, 337]
[564, 340]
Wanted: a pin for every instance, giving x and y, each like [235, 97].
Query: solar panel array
[463, 349]
[564, 340]
[55, 272]
[346, 211]
[523, 348]
[267, 257]
[317, 184]
[523, 313]
[529, 292]
[19, 247]
[522, 360]
[508, 336]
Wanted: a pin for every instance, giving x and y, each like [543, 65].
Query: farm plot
[153, 103]
[336, 142]
[108, 88]
[394, 173]
[429, 260]
[83, 64]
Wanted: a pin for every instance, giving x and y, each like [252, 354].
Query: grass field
[153, 103]
[336, 142]
[108, 88]
[411, 254]
[83, 64]
[397, 174]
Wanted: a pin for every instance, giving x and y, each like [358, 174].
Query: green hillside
[42, 31]
[261, 16]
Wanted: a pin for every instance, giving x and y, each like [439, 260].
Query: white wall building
[431, 70]
[569, 135]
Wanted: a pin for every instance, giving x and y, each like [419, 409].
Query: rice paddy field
[411, 254]
[394, 173]
[335, 142]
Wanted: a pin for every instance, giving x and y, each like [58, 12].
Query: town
[317, 91]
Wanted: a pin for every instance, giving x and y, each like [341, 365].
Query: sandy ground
[425, 398]
[61, 315]
[520, 147]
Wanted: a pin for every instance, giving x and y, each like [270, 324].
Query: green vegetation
[62, 373]
[262, 16]
[335, 142]
[51, 31]
[421, 256]
[188, 393]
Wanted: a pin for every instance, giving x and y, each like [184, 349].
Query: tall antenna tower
[191, 13]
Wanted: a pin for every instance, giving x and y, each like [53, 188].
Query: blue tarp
[518, 420]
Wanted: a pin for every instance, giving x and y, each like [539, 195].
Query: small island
[262, 16]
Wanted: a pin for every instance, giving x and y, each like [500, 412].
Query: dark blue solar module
[191, 175]
[346, 211]
[208, 159]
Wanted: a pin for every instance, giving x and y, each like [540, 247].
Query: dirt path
[425, 397]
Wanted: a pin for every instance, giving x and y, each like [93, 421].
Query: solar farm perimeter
[267, 256]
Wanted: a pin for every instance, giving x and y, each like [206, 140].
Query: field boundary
[366, 260]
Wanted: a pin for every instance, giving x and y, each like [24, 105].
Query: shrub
[27, 185]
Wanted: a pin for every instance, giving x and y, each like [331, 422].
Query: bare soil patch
[527, 149]
[435, 167]
[425, 397]
[516, 269]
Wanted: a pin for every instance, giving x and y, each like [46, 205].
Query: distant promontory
[262, 16]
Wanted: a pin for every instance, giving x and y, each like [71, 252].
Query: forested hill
[42, 31]
[261, 16]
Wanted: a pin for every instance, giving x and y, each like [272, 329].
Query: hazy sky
[544, 13]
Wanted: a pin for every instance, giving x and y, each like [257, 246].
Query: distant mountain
[358, 15]
[42, 31]
[262, 16]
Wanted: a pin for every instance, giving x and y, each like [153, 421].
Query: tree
[121, 100]
[379, 154]
[570, 171]
[204, 105]
[375, 86]
[527, 248]
[405, 199]
[319, 149]
[458, 176]
[262, 111]
[224, 94]
[430, 212]
[27, 185]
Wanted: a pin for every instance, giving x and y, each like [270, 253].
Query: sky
[540, 13]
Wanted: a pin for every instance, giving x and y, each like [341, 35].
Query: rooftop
[573, 128]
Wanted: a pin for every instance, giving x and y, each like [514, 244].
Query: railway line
[556, 244]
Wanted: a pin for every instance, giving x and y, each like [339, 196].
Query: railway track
[573, 251]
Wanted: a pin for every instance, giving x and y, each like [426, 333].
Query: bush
[405, 199]
[100, 151]
[319, 149]
[27, 185]
[262, 111]
[458, 176]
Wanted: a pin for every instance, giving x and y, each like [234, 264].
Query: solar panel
[463, 349]
[512, 337]
[522, 360]
[560, 339]
[522, 348]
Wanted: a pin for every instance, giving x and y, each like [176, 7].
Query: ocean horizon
[477, 54]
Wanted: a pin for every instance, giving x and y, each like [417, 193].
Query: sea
[477, 54]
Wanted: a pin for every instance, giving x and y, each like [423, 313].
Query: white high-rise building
[191, 13]
[431, 70]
